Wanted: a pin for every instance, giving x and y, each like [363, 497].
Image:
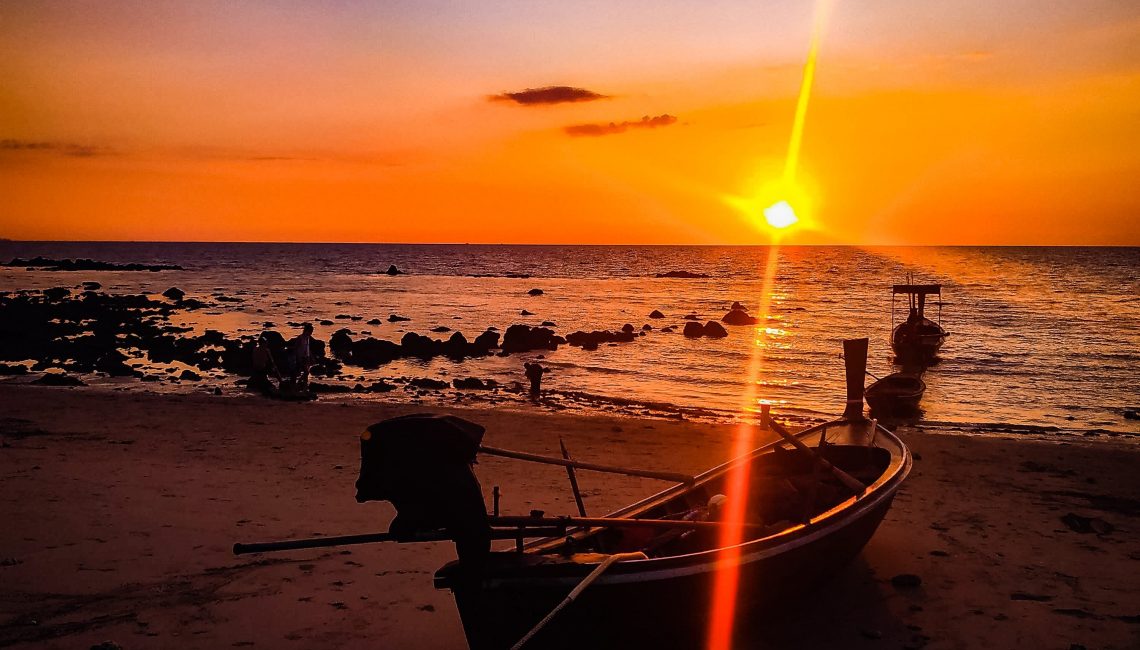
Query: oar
[852, 483]
[573, 479]
[549, 460]
[371, 538]
[577, 591]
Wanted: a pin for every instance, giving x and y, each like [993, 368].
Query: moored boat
[896, 394]
[918, 338]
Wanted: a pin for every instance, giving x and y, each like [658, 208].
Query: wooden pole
[846, 479]
[573, 479]
[371, 538]
[549, 460]
[577, 591]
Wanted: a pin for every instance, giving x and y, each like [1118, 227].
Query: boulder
[690, 317]
[534, 292]
[656, 314]
[646, 327]
[430, 384]
[627, 328]
[340, 344]
[396, 318]
[736, 305]
[472, 383]
[92, 286]
[174, 293]
[440, 329]
[376, 387]
[486, 342]
[374, 321]
[694, 330]
[370, 352]
[714, 330]
[457, 346]
[591, 340]
[6, 369]
[392, 270]
[189, 375]
[418, 345]
[739, 317]
[521, 338]
[526, 313]
[56, 294]
[59, 379]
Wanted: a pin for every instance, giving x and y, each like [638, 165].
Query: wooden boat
[918, 338]
[811, 526]
[896, 394]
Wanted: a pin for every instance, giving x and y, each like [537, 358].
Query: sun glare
[780, 215]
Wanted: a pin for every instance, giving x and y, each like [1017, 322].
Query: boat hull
[895, 394]
[667, 601]
[920, 344]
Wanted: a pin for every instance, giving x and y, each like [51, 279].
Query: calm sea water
[1046, 337]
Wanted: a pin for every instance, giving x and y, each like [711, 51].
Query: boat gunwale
[751, 550]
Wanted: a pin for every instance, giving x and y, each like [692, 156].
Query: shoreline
[127, 505]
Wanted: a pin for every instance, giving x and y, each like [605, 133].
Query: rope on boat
[577, 591]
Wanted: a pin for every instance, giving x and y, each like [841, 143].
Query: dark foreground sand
[118, 513]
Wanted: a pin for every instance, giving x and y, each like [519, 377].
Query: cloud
[61, 148]
[579, 130]
[548, 95]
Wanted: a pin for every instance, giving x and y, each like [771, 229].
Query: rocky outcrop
[84, 264]
[739, 317]
[522, 338]
[591, 340]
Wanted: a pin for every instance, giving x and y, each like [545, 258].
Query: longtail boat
[896, 394]
[917, 339]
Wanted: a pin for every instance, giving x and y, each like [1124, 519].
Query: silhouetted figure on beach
[302, 356]
[534, 374]
[263, 364]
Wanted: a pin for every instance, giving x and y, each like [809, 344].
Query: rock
[376, 387]
[190, 375]
[56, 294]
[693, 330]
[525, 313]
[113, 363]
[1132, 413]
[691, 317]
[392, 270]
[318, 387]
[521, 338]
[441, 329]
[656, 314]
[548, 323]
[486, 342]
[736, 305]
[59, 379]
[646, 327]
[906, 581]
[342, 317]
[1079, 524]
[6, 369]
[457, 346]
[418, 345]
[681, 274]
[430, 384]
[396, 318]
[668, 328]
[627, 328]
[174, 293]
[374, 321]
[739, 317]
[534, 292]
[92, 286]
[715, 330]
[83, 264]
[591, 340]
[340, 344]
[472, 383]
[370, 352]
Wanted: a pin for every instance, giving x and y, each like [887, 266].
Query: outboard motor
[422, 464]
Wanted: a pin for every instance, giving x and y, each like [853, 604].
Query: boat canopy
[918, 289]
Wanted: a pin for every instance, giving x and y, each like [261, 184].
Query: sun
[780, 215]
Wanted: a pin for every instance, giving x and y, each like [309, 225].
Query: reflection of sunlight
[783, 204]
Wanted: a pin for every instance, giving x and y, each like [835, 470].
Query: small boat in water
[918, 338]
[895, 394]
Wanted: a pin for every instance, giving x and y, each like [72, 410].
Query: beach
[121, 510]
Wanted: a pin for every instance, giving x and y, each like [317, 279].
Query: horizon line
[552, 244]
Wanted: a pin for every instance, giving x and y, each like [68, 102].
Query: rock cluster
[84, 264]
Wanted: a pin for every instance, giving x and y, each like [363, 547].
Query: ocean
[1043, 340]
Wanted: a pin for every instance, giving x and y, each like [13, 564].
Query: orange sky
[966, 123]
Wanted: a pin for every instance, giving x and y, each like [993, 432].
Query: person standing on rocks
[262, 365]
[534, 374]
[302, 355]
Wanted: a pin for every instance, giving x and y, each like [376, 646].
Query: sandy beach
[121, 511]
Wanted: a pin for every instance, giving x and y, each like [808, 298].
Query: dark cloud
[61, 148]
[548, 95]
[646, 122]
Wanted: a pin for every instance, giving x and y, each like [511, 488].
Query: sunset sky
[958, 122]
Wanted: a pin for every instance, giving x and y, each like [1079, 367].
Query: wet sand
[120, 511]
